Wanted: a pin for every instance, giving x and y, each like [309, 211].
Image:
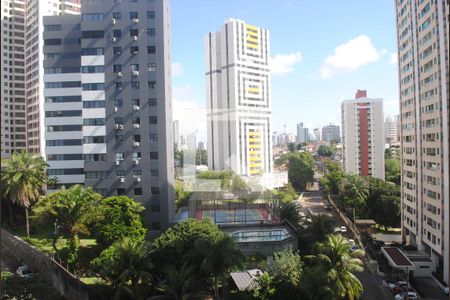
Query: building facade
[331, 133]
[108, 113]
[176, 135]
[391, 127]
[239, 108]
[423, 51]
[21, 64]
[363, 135]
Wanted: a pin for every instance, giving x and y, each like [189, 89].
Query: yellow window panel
[252, 46]
[253, 90]
[251, 27]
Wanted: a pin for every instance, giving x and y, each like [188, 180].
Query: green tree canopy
[120, 217]
[392, 171]
[325, 151]
[300, 168]
[354, 191]
[287, 271]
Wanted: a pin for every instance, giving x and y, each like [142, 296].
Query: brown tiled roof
[396, 256]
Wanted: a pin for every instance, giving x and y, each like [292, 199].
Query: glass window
[134, 84]
[117, 34]
[153, 120]
[151, 49]
[153, 137]
[151, 32]
[153, 155]
[134, 15]
[137, 172]
[120, 156]
[151, 14]
[93, 34]
[135, 102]
[117, 51]
[93, 17]
[55, 27]
[154, 172]
[151, 67]
[120, 192]
[118, 102]
[118, 86]
[155, 190]
[117, 15]
[152, 102]
[151, 84]
[117, 68]
[136, 155]
[134, 67]
[120, 173]
[138, 191]
[134, 32]
[134, 50]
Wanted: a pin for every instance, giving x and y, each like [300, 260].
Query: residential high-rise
[390, 125]
[239, 103]
[302, 133]
[331, 133]
[191, 141]
[21, 65]
[110, 125]
[423, 52]
[363, 136]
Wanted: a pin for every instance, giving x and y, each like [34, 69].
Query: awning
[396, 257]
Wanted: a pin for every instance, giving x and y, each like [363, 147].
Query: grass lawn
[388, 230]
[42, 240]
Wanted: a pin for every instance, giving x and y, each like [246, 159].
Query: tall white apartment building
[239, 102]
[22, 72]
[423, 52]
[391, 127]
[363, 135]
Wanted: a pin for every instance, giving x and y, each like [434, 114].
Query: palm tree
[179, 284]
[24, 177]
[133, 257]
[220, 257]
[334, 255]
[355, 192]
[320, 226]
[72, 210]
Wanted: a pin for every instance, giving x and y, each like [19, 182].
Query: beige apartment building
[363, 135]
[422, 30]
[22, 72]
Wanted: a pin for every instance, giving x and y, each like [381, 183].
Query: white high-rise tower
[239, 103]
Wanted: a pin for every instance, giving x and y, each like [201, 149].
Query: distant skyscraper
[191, 141]
[390, 125]
[331, 133]
[108, 116]
[239, 103]
[176, 134]
[423, 52]
[363, 136]
[302, 133]
[201, 145]
[22, 72]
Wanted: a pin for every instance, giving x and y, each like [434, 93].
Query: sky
[322, 52]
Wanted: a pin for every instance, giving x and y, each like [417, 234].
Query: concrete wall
[63, 281]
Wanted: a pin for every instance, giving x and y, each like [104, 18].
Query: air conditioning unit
[136, 125]
[122, 179]
[115, 109]
[135, 38]
[119, 74]
[135, 73]
[135, 52]
[120, 126]
[136, 161]
[136, 144]
[137, 178]
[117, 162]
[135, 20]
[116, 126]
[113, 21]
[114, 39]
[136, 107]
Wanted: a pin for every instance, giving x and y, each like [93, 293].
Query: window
[154, 172]
[118, 120]
[153, 155]
[92, 51]
[134, 84]
[152, 102]
[93, 139]
[95, 157]
[118, 102]
[94, 17]
[117, 51]
[64, 157]
[64, 171]
[153, 120]
[136, 156]
[135, 102]
[155, 208]
[138, 191]
[137, 172]
[153, 137]
[155, 190]
[57, 128]
[55, 143]
[117, 68]
[120, 192]
[117, 15]
[152, 67]
[151, 49]
[151, 32]
[137, 138]
[92, 69]
[134, 32]
[94, 122]
[134, 50]
[134, 15]
[117, 34]
[95, 174]
[118, 136]
[151, 14]
[93, 34]
[63, 113]
[51, 42]
[134, 67]
[120, 156]
[120, 173]
[151, 84]
[55, 27]
[93, 86]
[118, 86]
[62, 84]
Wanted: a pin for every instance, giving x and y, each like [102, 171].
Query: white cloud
[284, 63]
[393, 59]
[350, 56]
[177, 69]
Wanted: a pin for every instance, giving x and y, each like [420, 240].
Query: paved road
[312, 202]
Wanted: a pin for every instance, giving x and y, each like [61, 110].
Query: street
[312, 203]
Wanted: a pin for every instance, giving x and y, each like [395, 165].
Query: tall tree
[392, 170]
[300, 167]
[23, 177]
[72, 211]
[354, 192]
[287, 270]
[325, 150]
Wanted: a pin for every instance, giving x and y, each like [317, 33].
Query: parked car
[343, 229]
[406, 296]
[24, 272]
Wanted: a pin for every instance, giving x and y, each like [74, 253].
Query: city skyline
[317, 65]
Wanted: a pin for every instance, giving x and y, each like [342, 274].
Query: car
[343, 229]
[24, 271]
[406, 296]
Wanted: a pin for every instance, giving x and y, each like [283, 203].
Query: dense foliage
[300, 167]
[392, 170]
[36, 288]
[326, 151]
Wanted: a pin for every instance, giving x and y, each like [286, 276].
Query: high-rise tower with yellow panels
[239, 102]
